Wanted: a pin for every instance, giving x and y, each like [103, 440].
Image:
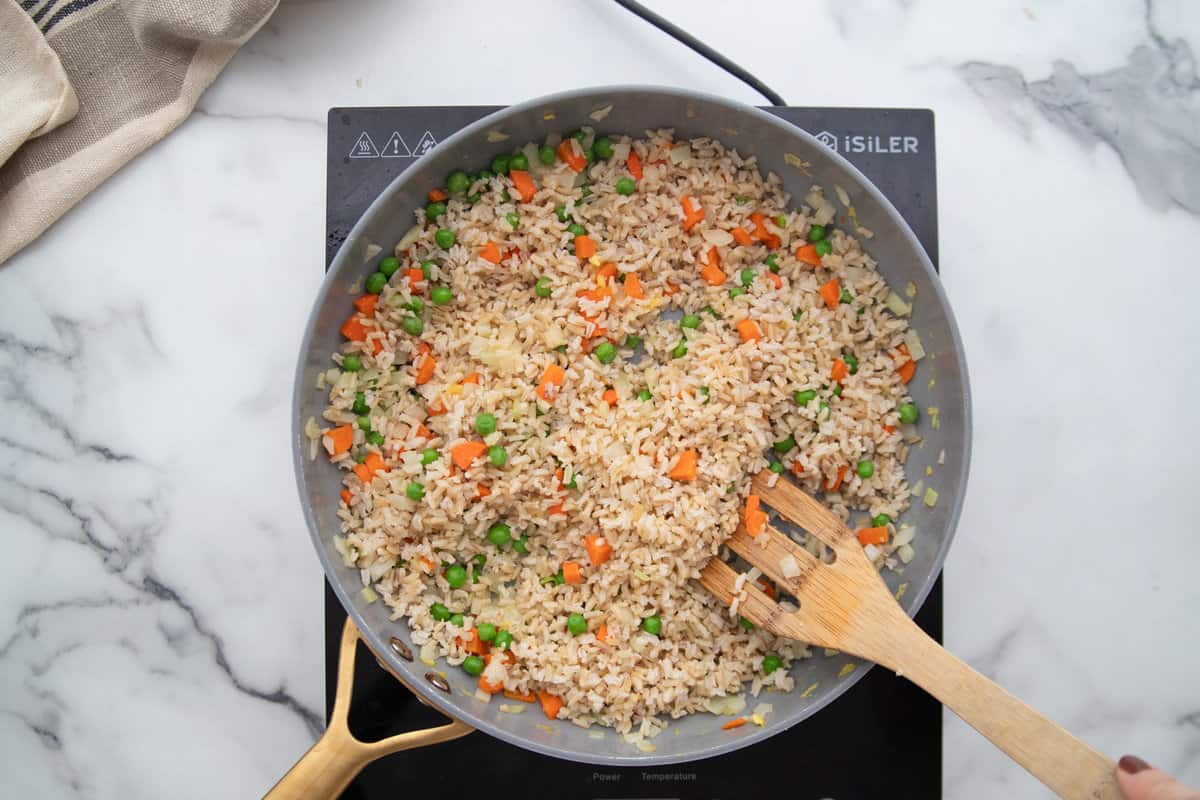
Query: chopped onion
[942, 457]
[589, 137]
[841, 195]
[408, 239]
[904, 535]
[910, 289]
[495, 136]
[595, 734]
[531, 155]
[510, 708]
[906, 553]
[788, 566]
[429, 653]
[369, 595]
[931, 497]
[872, 551]
[646, 747]
[725, 705]
[493, 438]
[601, 113]
[864, 232]
[372, 251]
[482, 696]
[716, 236]
[856, 274]
[680, 153]
[913, 341]
[897, 306]
[796, 161]
[916, 490]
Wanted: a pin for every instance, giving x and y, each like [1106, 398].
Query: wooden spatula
[846, 606]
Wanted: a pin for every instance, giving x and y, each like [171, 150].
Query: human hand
[1140, 781]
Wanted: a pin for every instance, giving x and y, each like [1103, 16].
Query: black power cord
[700, 47]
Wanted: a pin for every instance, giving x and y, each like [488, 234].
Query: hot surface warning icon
[364, 147]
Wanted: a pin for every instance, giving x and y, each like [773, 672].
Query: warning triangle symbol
[426, 144]
[396, 147]
[364, 147]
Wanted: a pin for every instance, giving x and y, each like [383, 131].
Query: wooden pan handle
[1069, 766]
[330, 764]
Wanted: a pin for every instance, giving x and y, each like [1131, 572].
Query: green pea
[776, 467]
[589, 154]
[457, 620]
[485, 631]
[644, 395]
[485, 424]
[837, 390]
[434, 210]
[442, 295]
[704, 393]
[499, 534]
[680, 350]
[561, 213]
[909, 413]
[474, 198]
[816, 233]
[562, 348]
[521, 545]
[503, 640]
[375, 282]
[429, 455]
[486, 174]
[746, 624]
[781, 221]
[427, 269]
[500, 165]
[851, 362]
[497, 455]
[375, 438]
[576, 624]
[360, 457]
[546, 155]
[514, 219]
[625, 186]
[865, 469]
[846, 297]
[472, 665]
[389, 265]
[364, 422]
[742, 199]
[712, 311]
[479, 560]
[444, 238]
[574, 482]
[576, 229]
[823, 247]
[773, 262]
[748, 276]
[689, 321]
[542, 287]
[360, 403]
[805, 397]
[439, 612]
[415, 491]
[579, 136]
[505, 196]
[771, 662]
[519, 161]
[603, 147]
[797, 316]
[412, 325]
[416, 305]
[605, 352]
[458, 182]
[822, 407]
[632, 342]
[736, 292]
[785, 445]
[880, 520]
[456, 574]
[652, 624]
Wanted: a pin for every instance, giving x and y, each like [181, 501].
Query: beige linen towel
[137, 68]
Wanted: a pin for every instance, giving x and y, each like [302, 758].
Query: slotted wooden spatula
[846, 606]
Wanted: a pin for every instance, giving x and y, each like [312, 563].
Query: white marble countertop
[160, 604]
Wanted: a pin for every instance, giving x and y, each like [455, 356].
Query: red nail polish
[1132, 765]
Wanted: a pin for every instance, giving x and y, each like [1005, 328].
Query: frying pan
[800, 161]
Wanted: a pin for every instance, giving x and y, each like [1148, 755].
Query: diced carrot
[742, 236]
[903, 348]
[414, 276]
[437, 195]
[685, 467]
[671, 289]
[472, 643]
[507, 656]
[436, 409]
[831, 293]
[490, 253]
[889, 429]
[692, 213]
[610, 397]
[553, 376]
[374, 463]
[363, 473]
[712, 275]
[424, 347]
[524, 698]
[426, 564]
[341, 438]
[633, 286]
[907, 370]
[355, 329]
[839, 371]
[482, 491]
[489, 687]
[472, 378]
[598, 549]
[714, 256]
[557, 508]
[877, 535]
[365, 303]
[762, 232]
[634, 163]
[558, 476]
[422, 432]
[465, 454]
[774, 278]
[602, 632]
[749, 331]
[346, 496]
[425, 369]
[523, 184]
[510, 252]
[571, 573]
[585, 247]
[734, 723]
[755, 518]
[551, 704]
[797, 467]
[767, 587]
[574, 160]
[836, 483]
[808, 254]
[608, 270]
